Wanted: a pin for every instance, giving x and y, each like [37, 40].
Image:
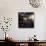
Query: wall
[10, 8]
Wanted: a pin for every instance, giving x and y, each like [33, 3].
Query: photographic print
[26, 19]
